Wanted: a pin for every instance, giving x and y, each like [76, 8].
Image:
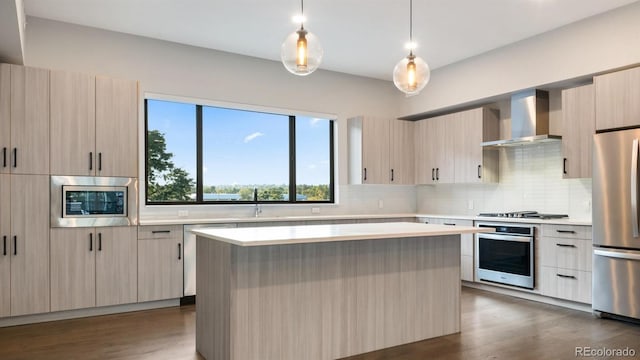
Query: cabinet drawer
[456, 222]
[567, 231]
[428, 220]
[566, 253]
[160, 232]
[566, 284]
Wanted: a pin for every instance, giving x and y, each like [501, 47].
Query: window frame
[199, 153]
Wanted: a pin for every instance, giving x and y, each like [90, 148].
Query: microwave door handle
[634, 187]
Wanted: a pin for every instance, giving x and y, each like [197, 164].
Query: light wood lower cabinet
[467, 268]
[93, 267]
[26, 245]
[160, 262]
[565, 262]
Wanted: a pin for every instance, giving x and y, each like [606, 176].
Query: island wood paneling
[325, 300]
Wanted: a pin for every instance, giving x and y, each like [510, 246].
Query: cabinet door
[375, 151]
[5, 116]
[578, 128]
[29, 120]
[159, 269]
[73, 123]
[30, 257]
[117, 127]
[423, 155]
[473, 164]
[443, 141]
[402, 152]
[116, 266]
[73, 269]
[616, 97]
[5, 251]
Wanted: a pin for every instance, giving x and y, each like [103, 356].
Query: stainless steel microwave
[87, 201]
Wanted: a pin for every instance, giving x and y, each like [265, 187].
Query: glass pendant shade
[411, 75]
[301, 52]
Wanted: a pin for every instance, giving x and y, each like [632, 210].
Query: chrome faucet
[257, 209]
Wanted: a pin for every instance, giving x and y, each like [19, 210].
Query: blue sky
[242, 147]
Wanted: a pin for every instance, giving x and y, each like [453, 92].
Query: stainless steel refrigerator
[616, 228]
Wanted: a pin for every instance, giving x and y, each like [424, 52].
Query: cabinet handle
[179, 251]
[566, 245]
[161, 231]
[4, 157]
[437, 173]
[99, 161]
[15, 157]
[450, 224]
[391, 174]
[99, 241]
[479, 171]
[564, 165]
[365, 174]
[433, 177]
[566, 231]
[15, 245]
[566, 276]
[90, 241]
[426, 222]
[90, 160]
[4, 244]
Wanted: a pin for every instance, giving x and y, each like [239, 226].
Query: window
[198, 154]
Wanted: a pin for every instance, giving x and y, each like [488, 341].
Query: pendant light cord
[411, 26]
[301, 14]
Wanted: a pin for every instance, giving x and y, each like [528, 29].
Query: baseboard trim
[530, 296]
[80, 313]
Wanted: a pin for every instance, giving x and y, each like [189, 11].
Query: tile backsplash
[530, 179]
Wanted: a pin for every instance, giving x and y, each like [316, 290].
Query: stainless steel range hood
[529, 120]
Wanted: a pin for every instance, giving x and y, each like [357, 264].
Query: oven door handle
[524, 239]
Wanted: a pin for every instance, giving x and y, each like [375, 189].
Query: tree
[165, 181]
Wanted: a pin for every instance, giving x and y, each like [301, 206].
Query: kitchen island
[325, 291]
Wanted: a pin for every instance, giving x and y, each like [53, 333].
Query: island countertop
[302, 234]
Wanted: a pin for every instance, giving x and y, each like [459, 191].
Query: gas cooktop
[524, 215]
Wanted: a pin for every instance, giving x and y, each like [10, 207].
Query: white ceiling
[360, 37]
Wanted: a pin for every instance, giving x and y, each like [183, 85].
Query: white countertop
[564, 221]
[301, 234]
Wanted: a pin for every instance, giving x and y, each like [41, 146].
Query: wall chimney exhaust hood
[529, 120]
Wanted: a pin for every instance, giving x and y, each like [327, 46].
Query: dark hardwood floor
[493, 327]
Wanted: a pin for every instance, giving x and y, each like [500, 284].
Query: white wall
[169, 68]
[598, 44]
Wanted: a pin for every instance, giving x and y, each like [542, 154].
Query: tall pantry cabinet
[24, 190]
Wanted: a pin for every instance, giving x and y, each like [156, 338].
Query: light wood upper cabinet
[117, 127]
[73, 264]
[448, 148]
[401, 155]
[160, 262]
[117, 266]
[24, 120]
[473, 164]
[380, 151]
[375, 151]
[578, 128]
[616, 97]
[93, 267]
[5, 254]
[29, 244]
[73, 97]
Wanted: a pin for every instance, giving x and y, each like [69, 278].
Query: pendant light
[301, 52]
[411, 74]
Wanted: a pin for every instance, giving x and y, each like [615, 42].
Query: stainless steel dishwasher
[190, 255]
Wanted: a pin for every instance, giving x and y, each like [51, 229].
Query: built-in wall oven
[506, 256]
[78, 201]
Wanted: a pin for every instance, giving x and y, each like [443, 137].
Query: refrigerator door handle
[617, 254]
[634, 187]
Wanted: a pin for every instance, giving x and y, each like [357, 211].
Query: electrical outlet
[183, 213]
[380, 204]
[315, 210]
[470, 205]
